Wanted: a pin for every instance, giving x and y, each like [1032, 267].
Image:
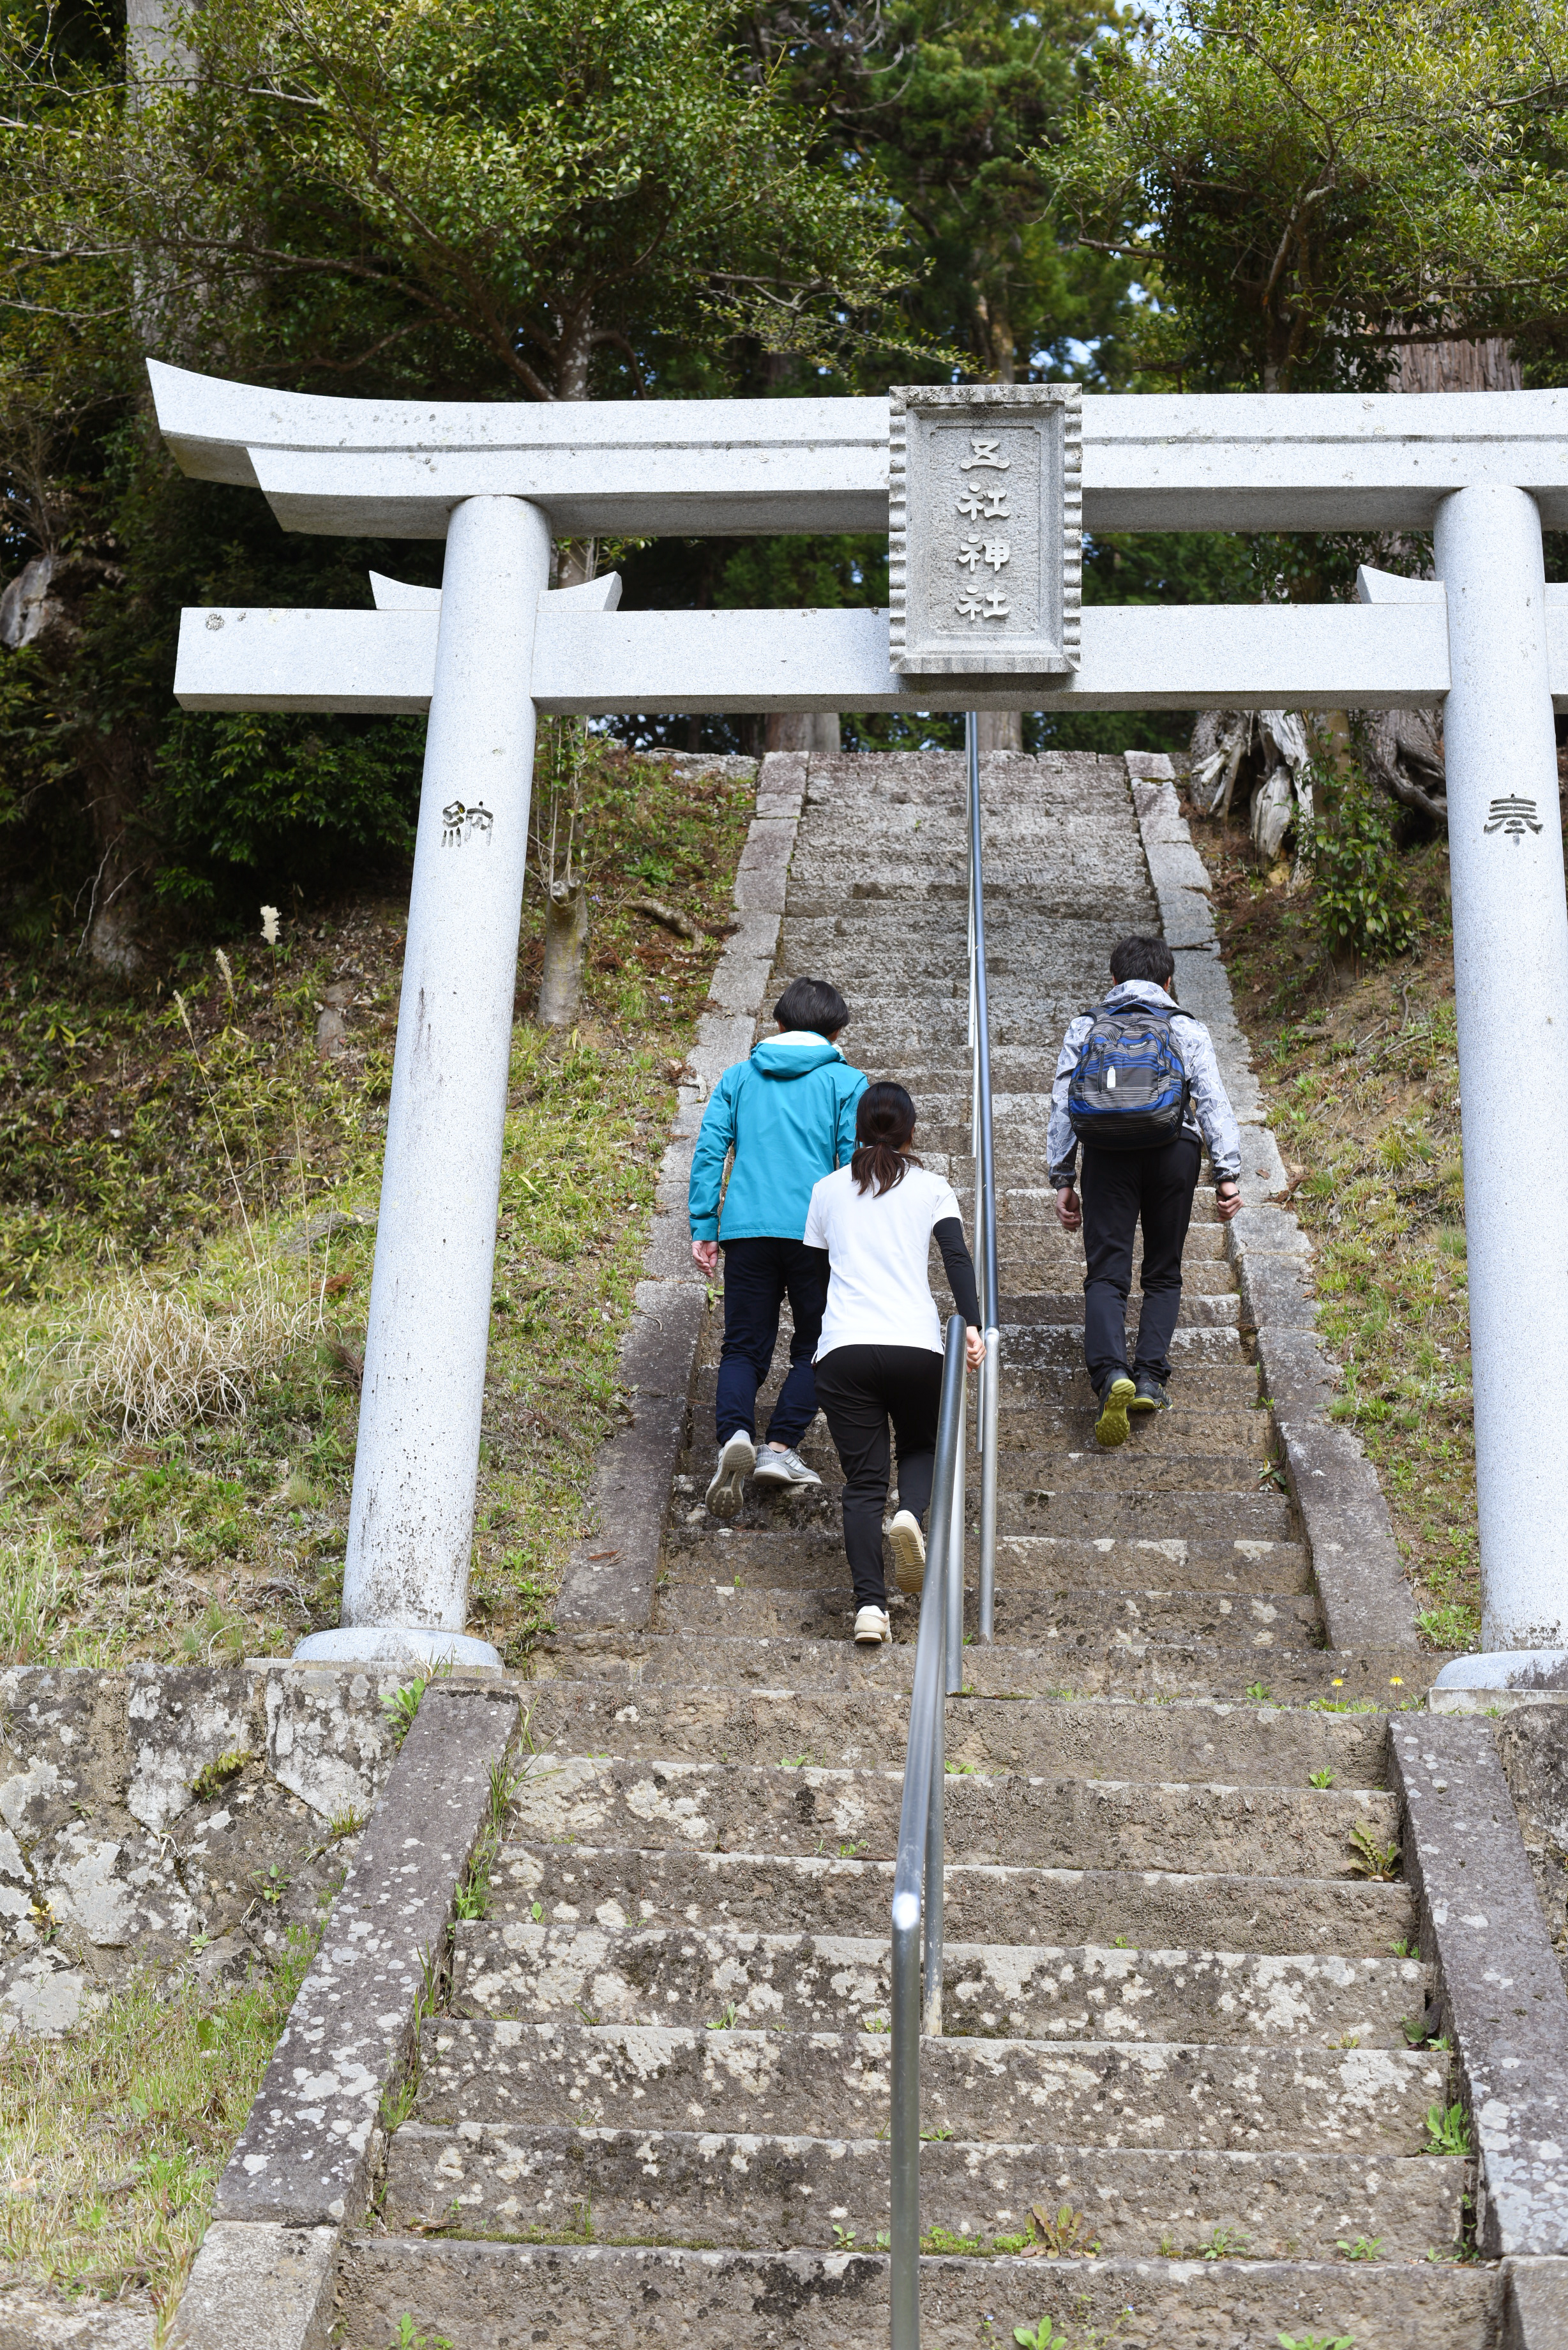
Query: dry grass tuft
[153, 1361]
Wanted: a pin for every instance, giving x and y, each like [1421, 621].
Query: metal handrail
[918, 1883]
[988, 1397]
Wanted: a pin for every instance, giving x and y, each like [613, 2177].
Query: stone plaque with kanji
[985, 529]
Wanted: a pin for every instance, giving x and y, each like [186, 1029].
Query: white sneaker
[908, 1551]
[737, 1459]
[873, 1625]
[785, 1467]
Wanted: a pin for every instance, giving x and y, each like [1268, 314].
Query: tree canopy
[1302, 185]
[531, 198]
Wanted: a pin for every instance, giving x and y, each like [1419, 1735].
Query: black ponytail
[884, 1122]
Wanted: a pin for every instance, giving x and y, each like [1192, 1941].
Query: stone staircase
[1175, 2101]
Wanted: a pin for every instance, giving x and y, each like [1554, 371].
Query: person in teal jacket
[788, 1116]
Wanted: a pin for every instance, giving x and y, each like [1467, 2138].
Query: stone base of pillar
[1508, 1668]
[397, 1643]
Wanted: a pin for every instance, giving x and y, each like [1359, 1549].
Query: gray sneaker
[737, 1459]
[785, 1467]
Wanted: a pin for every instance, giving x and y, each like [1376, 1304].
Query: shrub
[1361, 896]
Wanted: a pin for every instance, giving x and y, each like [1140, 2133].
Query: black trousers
[758, 1276]
[1122, 1189]
[860, 1390]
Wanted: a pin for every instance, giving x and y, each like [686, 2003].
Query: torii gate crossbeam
[1488, 640]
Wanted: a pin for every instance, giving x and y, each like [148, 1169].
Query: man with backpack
[788, 1114]
[1136, 1084]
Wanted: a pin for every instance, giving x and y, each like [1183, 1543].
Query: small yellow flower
[1395, 1682]
[1338, 1684]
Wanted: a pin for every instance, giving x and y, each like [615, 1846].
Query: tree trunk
[566, 953]
[999, 729]
[114, 913]
[804, 730]
[1489, 366]
[1404, 748]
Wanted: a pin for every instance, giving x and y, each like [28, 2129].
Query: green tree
[1305, 186]
[522, 197]
[544, 198]
[959, 105]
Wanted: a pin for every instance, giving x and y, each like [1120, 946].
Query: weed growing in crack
[1447, 2130]
[1370, 1860]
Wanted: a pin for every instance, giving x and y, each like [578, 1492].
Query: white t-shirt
[877, 1242]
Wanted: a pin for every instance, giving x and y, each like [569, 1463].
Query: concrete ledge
[1297, 1374]
[259, 2285]
[611, 1577]
[1535, 2305]
[1366, 1600]
[306, 2155]
[1273, 1295]
[1499, 1984]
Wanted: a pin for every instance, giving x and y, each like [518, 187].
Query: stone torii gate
[984, 490]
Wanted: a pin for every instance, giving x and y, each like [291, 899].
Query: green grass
[111, 2141]
[1360, 1070]
[178, 1149]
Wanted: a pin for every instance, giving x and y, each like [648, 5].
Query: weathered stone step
[701, 1976]
[1023, 1236]
[1131, 1504]
[695, 1601]
[1059, 1346]
[808, 1557]
[794, 1893]
[1260, 1514]
[1226, 1389]
[581, 2297]
[1065, 1308]
[1149, 1462]
[753, 2192]
[1029, 1268]
[1062, 1823]
[1366, 2102]
[1154, 1671]
[1044, 1560]
[1186, 1430]
[1188, 1739]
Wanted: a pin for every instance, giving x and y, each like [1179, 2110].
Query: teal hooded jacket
[788, 1114]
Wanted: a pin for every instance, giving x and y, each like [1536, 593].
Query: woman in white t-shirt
[879, 1358]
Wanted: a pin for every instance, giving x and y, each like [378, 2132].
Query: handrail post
[987, 1444]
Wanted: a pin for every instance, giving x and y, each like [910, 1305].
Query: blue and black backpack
[1129, 1090]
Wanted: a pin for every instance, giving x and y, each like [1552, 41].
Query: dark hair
[1143, 958]
[883, 1121]
[811, 1004]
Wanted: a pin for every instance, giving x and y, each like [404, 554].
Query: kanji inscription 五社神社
[984, 529]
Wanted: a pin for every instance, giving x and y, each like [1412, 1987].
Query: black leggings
[860, 1390]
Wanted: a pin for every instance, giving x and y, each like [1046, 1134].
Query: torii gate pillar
[411, 1527]
[1510, 961]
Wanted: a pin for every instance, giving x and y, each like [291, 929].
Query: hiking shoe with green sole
[1149, 1396]
[1111, 1428]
